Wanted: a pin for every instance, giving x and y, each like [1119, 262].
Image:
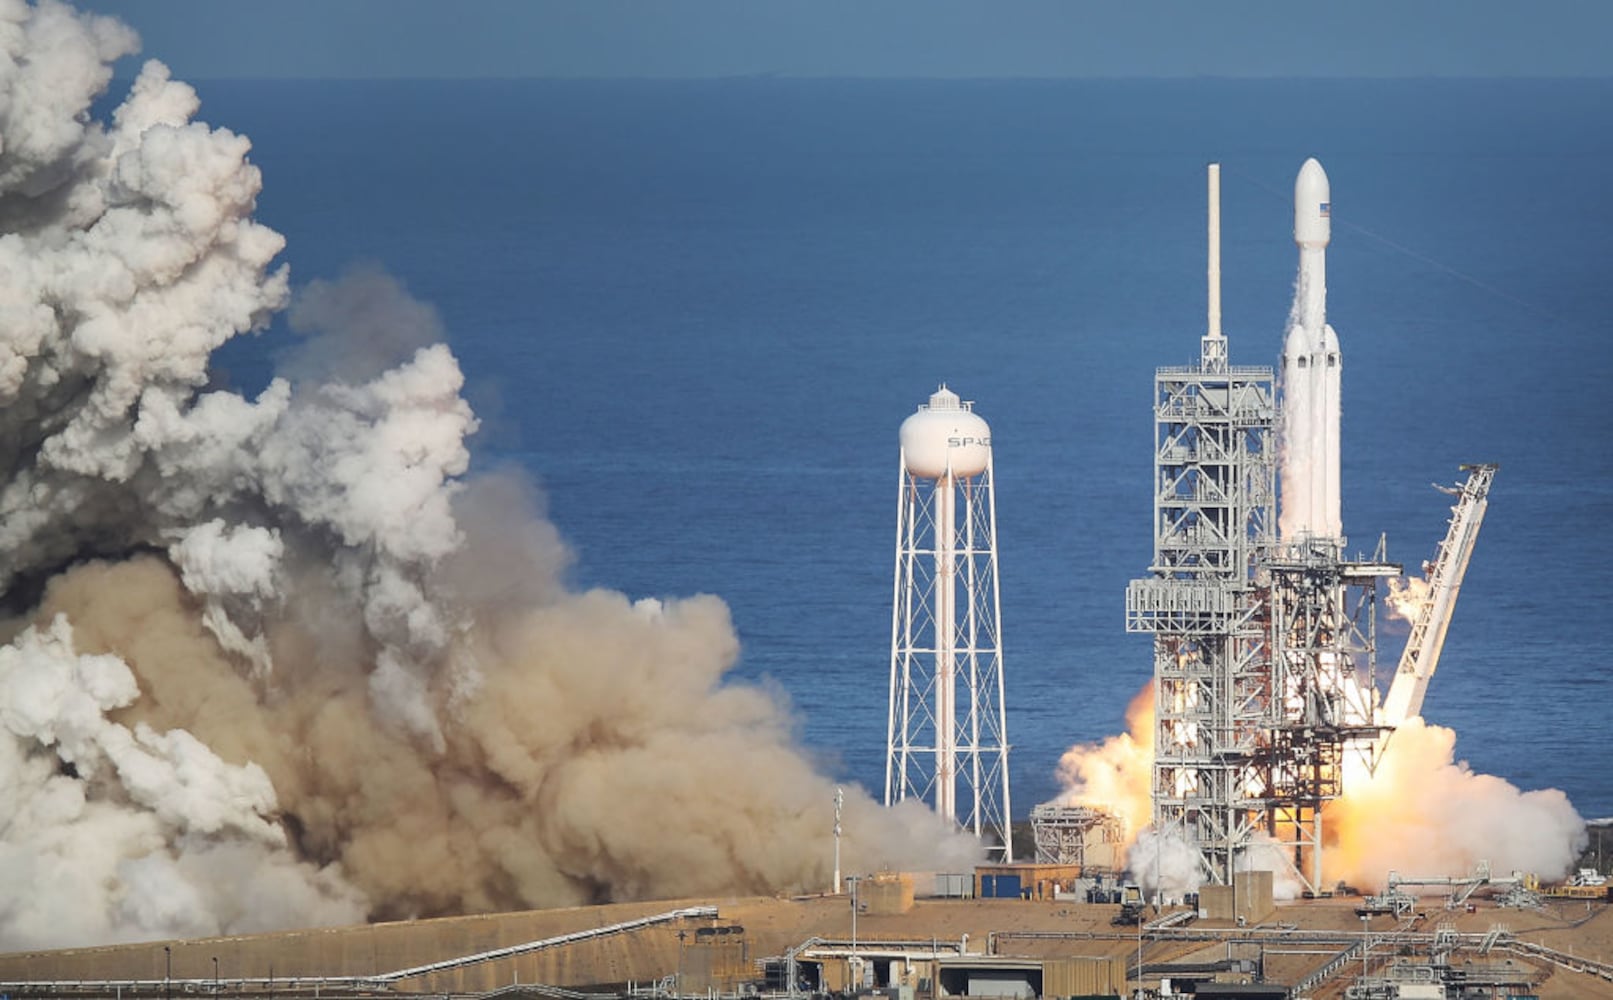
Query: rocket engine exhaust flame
[280, 661]
[1406, 596]
[1115, 774]
[1424, 811]
[1239, 779]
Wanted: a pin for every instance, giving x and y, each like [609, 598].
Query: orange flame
[1116, 774]
[1407, 596]
[1425, 812]
[1422, 811]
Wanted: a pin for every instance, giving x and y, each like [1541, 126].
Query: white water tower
[947, 742]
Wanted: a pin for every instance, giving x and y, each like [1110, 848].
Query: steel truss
[1264, 653]
[946, 739]
[1078, 835]
[1324, 687]
[1214, 501]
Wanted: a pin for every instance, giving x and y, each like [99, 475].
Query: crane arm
[1444, 577]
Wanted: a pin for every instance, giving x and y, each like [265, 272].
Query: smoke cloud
[1423, 812]
[1116, 774]
[1165, 864]
[284, 660]
[1407, 596]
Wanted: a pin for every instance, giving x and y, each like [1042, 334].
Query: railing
[347, 985]
[554, 942]
[1328, 971]
[1573, 963]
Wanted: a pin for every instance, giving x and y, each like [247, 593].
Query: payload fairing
[1309, 378]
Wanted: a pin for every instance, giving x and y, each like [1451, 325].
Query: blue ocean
[696, 312]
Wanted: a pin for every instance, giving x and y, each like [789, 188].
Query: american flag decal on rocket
[1324, 209]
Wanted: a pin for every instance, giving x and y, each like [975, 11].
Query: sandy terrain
[1049, 929]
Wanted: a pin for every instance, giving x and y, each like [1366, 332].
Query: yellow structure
[885, 894]
[1248, 899]
[1026, 880]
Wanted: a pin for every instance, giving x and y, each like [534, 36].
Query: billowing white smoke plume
[152, 829]
[279, 661]
[1116, 774]
[1407, 596]
[1423, 812]
[1164, 864]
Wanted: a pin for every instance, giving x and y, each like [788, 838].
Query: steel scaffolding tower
[1215, 482]
[1264, 669]
[1323, 612]
[1214, 486]
[1078, 835]
[947, 741]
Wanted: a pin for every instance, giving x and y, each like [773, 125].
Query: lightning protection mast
[947, 744]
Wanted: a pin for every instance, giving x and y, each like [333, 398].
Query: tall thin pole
[856, 962]
[946, 659]
[1365, 944]
[1213, 346]
[840, 800]
[1214, 268]
[1139, 951]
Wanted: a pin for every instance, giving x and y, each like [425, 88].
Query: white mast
[1214, 344]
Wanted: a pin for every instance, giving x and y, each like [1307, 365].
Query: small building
[885, 894]
[713, 959]
[1247, 900]
[954, 885]
[934, 975]
[1027, 880]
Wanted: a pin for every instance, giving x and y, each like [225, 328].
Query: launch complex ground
[745, 946]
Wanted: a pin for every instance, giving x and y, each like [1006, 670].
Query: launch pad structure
[1265, 658]
[1214, 494]
[1266, 686]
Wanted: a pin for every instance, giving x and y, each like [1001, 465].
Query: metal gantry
[1444, 581]
[1323, 613]
[1266, 678]
[1264, 651]
[1091, 837]
[1214, 504]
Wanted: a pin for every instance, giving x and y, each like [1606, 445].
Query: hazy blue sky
[203, 39]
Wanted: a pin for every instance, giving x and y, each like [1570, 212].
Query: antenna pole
[1214, 345]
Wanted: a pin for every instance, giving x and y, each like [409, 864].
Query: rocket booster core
[1311, 365]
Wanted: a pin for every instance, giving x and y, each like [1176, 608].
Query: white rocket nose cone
[1312, 206]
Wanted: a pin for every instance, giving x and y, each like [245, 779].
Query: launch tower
[1215, 463]
[947, 744]
[1322, 606]
[1263, 635]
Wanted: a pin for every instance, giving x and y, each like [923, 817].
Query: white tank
[945, 435]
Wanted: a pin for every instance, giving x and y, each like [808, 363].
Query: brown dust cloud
[290, 660]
